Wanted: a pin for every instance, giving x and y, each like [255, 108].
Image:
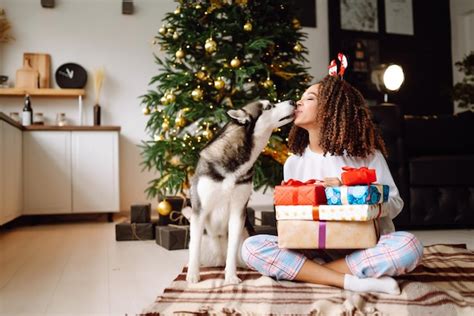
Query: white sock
[383, 284]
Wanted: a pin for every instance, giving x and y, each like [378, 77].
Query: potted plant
[463, 91]
[5, 37]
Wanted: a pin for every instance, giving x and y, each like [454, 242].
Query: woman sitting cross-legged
[332, 129]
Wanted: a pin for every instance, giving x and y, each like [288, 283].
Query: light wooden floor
[79, 269]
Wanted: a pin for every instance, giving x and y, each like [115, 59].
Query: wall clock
[71, 76]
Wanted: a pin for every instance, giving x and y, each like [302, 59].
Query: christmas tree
[220, 55]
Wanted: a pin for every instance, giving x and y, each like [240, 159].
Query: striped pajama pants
[395, 254]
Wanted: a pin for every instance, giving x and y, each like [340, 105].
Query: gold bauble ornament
[180, 53]
[179, 121]
[201, 75]
[146, 110]
[164, 208]
[248, 27]
[165, 126]
[267, 84]
[197, 94]
[298, 48]
[170, 97]
[162, 30]
[235, 63]
[163, 100]
[175, 35]
[210, 46]
[198, 6]
[207, 134]
[219, 84]
[177, 11]
[296, 23]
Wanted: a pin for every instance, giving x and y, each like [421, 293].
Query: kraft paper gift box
[173, 237]
[358, 194]
[140, 213]
[331, 212]
[293, 192]
[295, 234]
[134, 231]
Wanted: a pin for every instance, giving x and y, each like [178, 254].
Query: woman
[332, 129]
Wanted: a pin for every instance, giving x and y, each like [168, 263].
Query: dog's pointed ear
[240, 116]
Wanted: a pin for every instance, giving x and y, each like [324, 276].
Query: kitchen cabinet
[10, 172]
[71, 171]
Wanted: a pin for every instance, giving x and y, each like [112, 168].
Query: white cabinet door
[95, 183]
[2, 171]
[47, 172]
[12, 172]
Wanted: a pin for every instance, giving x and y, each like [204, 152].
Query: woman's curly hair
[345, 123]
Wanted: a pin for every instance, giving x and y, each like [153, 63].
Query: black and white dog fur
[222, 185]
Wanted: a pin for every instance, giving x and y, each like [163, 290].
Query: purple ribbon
[322, 235]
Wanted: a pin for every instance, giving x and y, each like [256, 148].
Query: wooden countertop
[7, 119]
[70, 128]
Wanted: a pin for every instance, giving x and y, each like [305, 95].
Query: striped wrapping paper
[442, 285]
[331, 212]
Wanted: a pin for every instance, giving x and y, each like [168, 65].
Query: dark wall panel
[425, 56]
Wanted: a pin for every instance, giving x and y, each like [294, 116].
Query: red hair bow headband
[333, 66]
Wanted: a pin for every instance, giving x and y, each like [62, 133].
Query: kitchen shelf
[51, 93]
[61, 93]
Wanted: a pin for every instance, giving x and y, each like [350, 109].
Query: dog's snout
[292, 103]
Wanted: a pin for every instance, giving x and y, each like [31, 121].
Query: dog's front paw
[192, 277]
[232, 280]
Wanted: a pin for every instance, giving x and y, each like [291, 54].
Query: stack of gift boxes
[140, 226]
[312, 216]
[172, 231]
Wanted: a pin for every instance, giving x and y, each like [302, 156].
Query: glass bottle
[27, 115]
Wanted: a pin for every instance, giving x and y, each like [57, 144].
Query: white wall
[94, 33]
[462, 34]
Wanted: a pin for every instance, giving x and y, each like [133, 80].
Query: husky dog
[222, 185]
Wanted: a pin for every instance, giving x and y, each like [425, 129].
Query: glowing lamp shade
[393, 77]
[387, 78]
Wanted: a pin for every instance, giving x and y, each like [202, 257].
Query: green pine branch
[180, 122]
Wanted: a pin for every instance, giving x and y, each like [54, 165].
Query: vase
[96, 115]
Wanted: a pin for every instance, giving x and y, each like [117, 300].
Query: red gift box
[356, 176]
[294, 192]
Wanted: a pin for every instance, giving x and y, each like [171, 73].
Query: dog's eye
[268, 106]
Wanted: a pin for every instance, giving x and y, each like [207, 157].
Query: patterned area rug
[442, 285]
